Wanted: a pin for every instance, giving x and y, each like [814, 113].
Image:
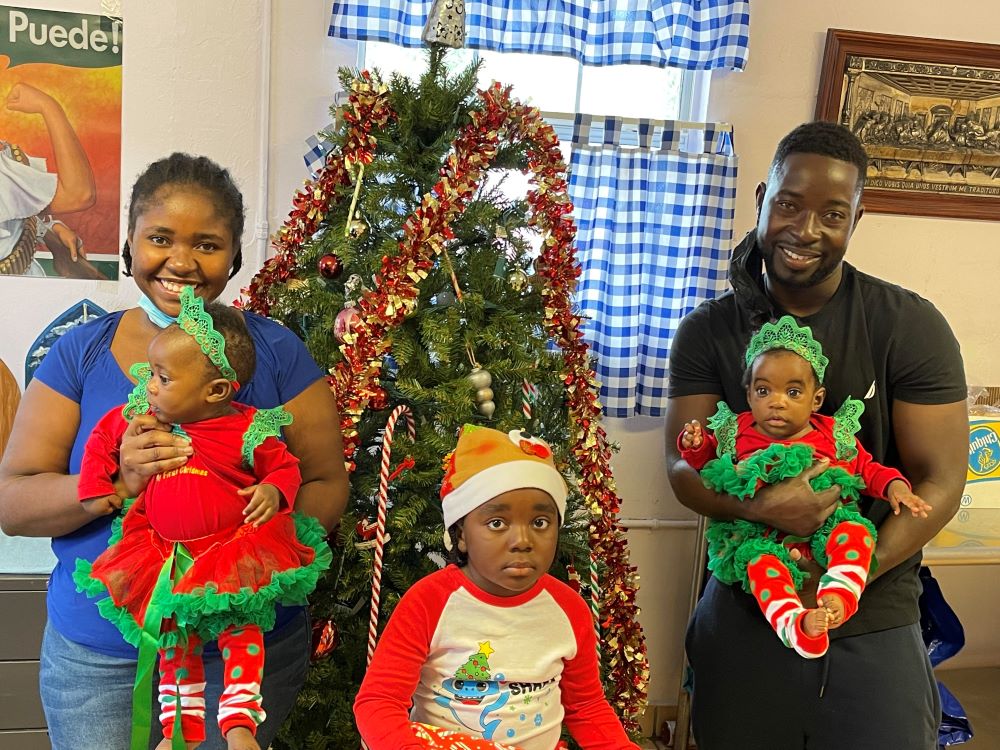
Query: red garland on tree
[354, 379]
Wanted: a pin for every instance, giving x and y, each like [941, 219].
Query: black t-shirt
[884, 343]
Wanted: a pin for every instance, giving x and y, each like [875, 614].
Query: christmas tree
[434, 298]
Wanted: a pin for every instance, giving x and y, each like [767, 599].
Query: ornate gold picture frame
[928, 114]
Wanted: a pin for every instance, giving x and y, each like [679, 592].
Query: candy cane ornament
[383, 495]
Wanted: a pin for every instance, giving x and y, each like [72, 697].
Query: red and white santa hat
[487, 463]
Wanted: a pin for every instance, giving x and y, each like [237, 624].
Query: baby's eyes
[495, 523]
[542, 523]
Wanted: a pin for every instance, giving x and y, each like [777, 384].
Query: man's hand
[102, 506]
[263, 504]
[692, 437]
[898, 494]
[792, 505]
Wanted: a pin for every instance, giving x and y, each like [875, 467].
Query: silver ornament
[446, 24]
[483, 395]
[487, 408]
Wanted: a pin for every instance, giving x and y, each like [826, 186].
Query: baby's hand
[102, 506]
[692, 437]
[899, 494]
[263, 504]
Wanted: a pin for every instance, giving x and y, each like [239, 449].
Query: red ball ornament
[344, 323]
[330, 266]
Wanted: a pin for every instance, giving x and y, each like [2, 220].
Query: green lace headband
[195, 322]
[787, 334]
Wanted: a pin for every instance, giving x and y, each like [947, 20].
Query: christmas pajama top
[509, 669]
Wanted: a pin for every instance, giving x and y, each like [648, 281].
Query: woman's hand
[149, 448]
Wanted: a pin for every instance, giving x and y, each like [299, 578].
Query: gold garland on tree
[355, 378]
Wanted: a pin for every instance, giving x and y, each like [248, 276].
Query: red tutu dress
[224, 574]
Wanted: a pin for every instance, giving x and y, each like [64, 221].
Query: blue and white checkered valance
[655, 222]
[689, 34]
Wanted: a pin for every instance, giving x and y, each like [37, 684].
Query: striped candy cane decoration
[383, 495]
[595, 599]
[529, 395]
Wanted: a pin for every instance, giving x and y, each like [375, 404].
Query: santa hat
[487, 463]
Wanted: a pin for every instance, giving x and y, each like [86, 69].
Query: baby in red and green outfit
[781, 436]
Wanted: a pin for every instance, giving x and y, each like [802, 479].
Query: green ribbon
[174, 568]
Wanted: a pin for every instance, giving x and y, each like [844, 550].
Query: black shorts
[874, 691]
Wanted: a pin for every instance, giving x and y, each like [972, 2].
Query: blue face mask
[155, 314]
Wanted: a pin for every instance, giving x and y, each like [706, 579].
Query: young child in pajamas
[491, 646]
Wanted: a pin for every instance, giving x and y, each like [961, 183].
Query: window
[561, 86]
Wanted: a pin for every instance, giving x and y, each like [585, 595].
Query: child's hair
[748, 372]
[196, 171]
[826, 139]
[454, 555]
[240, 350]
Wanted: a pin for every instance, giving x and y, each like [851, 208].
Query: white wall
[191, 82]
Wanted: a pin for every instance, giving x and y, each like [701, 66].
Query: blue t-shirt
[81, 367]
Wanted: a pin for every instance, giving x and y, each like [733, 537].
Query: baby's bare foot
[835, 609]
[241, 738]
[815, 622]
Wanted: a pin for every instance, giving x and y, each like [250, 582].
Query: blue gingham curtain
[655, 222]
[690, 34]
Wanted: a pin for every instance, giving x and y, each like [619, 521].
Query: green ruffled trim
[769, 465]
[733, 545]
[724, 540]
[850, 484]
[209, 613]
[137, 402]
[754, 548]
[774, 464]
[850, 513]
[847, 424]
[723, 426]
[266, 423]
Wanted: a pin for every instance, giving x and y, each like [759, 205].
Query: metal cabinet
[22, 620]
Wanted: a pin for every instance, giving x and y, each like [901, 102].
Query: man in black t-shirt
[888, 347]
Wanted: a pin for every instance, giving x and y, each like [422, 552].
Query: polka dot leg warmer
[243, 658]
[772, 587]
[182, 679]
[849, 549]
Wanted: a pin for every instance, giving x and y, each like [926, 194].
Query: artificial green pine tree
[480, 303]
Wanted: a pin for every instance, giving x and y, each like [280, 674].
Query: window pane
[632, 91]
[544, 81]
[411, 62]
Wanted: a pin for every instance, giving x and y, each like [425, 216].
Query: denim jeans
[87, 696]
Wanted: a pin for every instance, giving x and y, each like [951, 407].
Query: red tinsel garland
[355, 378]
